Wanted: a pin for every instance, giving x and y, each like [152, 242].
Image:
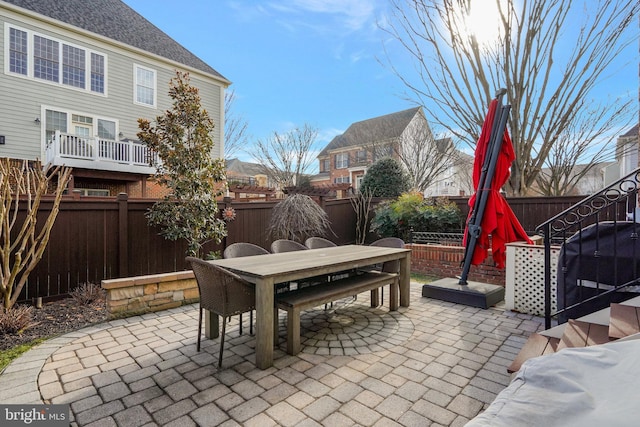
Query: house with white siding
[75, 76]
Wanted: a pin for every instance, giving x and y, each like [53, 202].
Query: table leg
[405, 279]
[211, 325]
[264, 322]
[393, 295]
[375, 298]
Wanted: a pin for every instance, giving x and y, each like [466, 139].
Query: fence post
[123, 235]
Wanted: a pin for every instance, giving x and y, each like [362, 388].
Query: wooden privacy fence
[531, 211]
[95, 239]
[107, 238]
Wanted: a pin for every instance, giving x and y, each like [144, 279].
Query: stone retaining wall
[142, 294]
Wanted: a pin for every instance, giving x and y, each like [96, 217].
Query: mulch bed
[56, 318]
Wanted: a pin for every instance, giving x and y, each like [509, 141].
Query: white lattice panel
[525, 276]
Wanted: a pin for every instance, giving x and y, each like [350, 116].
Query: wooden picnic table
[267, 270]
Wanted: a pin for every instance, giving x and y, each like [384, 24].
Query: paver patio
[433, 363]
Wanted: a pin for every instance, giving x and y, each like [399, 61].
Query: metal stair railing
[616, 203]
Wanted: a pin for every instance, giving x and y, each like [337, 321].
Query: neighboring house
[76, 77]
[248, 180]
[627, 148]
[596, 178]
[239, 172]
[346, 158]
[602, 174]
[456, 179]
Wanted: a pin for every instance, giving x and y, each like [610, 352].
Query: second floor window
[145, 86]
[46, 59]
[18, 51]
[342, 161]
[40, 57]
[73, 72]
[325, 165]
[361, 156]
[97, 73]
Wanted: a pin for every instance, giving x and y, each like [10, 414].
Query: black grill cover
[603, 255]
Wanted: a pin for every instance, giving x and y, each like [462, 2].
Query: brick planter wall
[445, 261]
[141, 294]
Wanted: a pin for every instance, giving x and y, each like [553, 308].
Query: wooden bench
[294, 302]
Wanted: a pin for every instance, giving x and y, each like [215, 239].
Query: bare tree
[235, 127]
[24, 241]
[287, 157]
[361, 204]
[563, 168]
[457, 75]
[426, 159]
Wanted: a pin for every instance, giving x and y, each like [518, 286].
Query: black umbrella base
[474, 294]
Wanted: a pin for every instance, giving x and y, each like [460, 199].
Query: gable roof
[377, 129]
[244, 168]
[115, 20]
[631, 132]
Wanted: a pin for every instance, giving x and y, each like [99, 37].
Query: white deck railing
[104, 152]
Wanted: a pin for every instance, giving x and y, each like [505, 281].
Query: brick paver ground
[433, 363]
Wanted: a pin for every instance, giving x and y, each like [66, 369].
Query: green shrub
[385, 178]
[412, 211]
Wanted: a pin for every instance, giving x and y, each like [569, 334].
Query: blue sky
[305, 61]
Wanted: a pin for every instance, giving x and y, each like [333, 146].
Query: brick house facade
[347, 157]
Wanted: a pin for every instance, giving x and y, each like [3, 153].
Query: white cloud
[357, 56]
[355, 14]
[326, 135]
[337, 16]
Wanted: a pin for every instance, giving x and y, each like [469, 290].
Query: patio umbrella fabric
[498, 219]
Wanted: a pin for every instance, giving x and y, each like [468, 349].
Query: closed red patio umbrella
[490, 214]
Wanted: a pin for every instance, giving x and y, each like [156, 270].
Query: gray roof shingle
[115, 20]
[631, 132]
[244, 168]
[377, 129]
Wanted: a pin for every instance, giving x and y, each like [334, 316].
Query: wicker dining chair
[284, 245]
[388, 266]
[242, 249]
[318, 242]
[222, 293]
[390, 242]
